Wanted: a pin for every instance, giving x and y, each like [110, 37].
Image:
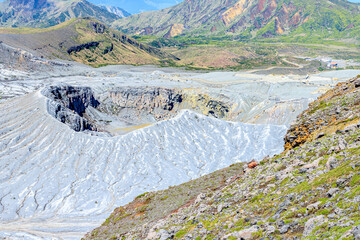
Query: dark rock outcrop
[97, 27]
[68, 104]
[151, 50]
[82, 47]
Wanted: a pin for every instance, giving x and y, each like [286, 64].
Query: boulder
[312, 223]
[313, 206]
[253, 164]
[247, 233]
[271, 229]
[243, 234]
[284, 229]
[164, 235]
[357, 83]
[331, 163]
[356, 232]
[332, 192]
[314, 164]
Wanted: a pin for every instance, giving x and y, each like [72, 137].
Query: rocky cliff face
[310, 192]
[164, 103]
[131, 105]
[160, 102]
[68, 104]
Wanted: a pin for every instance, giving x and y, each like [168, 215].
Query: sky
[137, 6]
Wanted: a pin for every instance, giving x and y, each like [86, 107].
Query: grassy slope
[113, 47]
[234, 55]
[276, 196]
[24, 30]
[122, 52]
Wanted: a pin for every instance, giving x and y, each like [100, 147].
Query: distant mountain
[86, 41]
[116, 10]
[46, 13]
[246, 18]
[138, 6]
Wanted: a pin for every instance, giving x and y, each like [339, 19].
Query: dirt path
[297, 66]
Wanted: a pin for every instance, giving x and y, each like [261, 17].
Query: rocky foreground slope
[309, 192]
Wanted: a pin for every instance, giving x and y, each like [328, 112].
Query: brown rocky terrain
[309, 192]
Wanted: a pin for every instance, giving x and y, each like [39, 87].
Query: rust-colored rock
[323, 115]
[175, 29]
[239, 8]
[253, 164]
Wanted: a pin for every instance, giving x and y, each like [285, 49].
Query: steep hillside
[247, 18]
[309, 192]
[45, 13]
[338, 107]
[83, 40]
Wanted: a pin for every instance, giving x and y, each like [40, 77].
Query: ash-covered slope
[309, 192]
[58, 182]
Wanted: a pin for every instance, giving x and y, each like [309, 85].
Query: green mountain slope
[309, 192]
[248, 19]
[45, 13]
[83, 40]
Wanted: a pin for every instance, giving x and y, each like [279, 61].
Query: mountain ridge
[116, 10]
[246, 18]
[46, 13]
